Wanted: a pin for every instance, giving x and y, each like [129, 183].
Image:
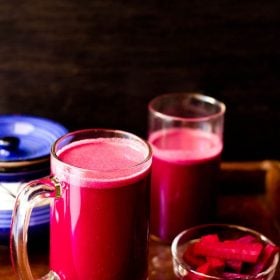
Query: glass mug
[185, 132]
[99, 195]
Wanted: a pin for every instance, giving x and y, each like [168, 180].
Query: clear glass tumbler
[186, 134]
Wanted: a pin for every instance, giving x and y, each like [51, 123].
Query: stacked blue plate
[25, 144]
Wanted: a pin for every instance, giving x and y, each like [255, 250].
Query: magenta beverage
[101, 231]
[184, 172]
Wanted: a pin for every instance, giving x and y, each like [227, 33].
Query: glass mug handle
[31, 194]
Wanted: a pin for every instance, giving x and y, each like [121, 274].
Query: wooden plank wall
[97, 63]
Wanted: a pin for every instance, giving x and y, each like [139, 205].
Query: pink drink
[184, 173]
[99, 229]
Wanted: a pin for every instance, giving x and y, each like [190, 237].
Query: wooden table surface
[249, 195]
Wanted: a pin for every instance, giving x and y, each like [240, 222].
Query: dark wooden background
[97, 63]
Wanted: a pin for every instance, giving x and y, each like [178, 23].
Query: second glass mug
[99, 195]
[185, 131]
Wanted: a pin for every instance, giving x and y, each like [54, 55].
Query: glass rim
[199, 96]
[176, 240]
[128, 135]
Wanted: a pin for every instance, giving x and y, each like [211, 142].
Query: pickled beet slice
[233, 258]
[204, 268]
[216, 264]
[211, 238]
[235, 265]
[229, 250]
[192, 259]
[266, 257]
[247, 239]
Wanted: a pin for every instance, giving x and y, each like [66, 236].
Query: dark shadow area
[98, 63]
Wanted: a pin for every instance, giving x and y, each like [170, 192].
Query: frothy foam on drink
[184, 144]
[102, 159]
[102, 154]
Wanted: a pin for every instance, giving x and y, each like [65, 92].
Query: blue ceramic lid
[25, 138]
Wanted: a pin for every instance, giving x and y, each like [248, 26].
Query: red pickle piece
[204, 268]
[229, 250]
[191, 259]
[231, 259]
[266, 257]
[247, 239]
[216, 264]
[211, 238]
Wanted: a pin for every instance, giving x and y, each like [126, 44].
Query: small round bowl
[184, 270]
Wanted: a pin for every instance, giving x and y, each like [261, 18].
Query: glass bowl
[183, 269]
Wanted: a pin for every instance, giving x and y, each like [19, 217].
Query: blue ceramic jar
[25, 144]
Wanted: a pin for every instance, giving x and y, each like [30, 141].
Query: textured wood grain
[255, 209]
[98, 63]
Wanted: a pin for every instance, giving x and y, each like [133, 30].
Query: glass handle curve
[31, 194]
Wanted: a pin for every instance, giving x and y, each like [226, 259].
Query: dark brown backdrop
[98, 63]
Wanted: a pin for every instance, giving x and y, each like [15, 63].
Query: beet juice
[184, 172]
[99, 229]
